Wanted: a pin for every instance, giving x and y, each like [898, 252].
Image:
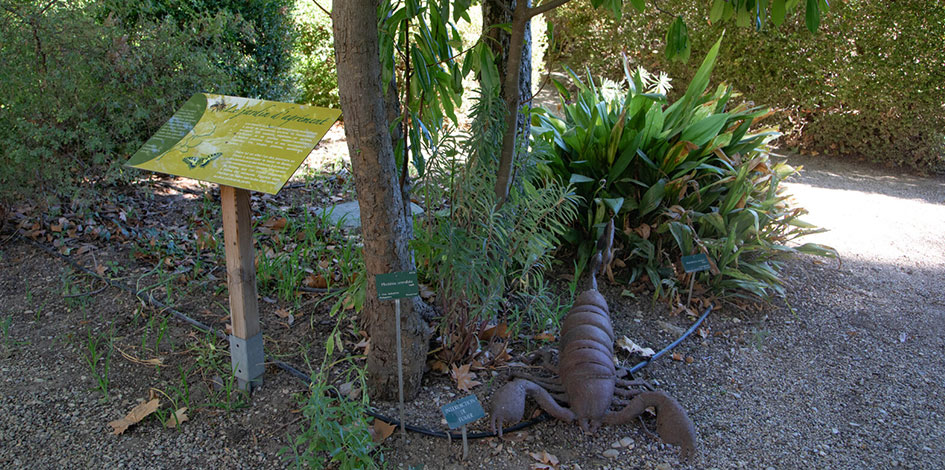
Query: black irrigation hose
[308, 379]
[674, 343]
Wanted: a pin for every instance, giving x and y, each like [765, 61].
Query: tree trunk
[498, 41]
[510, 92]
[385, 227]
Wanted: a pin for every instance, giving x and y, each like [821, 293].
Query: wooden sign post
[243, 145]
[246, 343]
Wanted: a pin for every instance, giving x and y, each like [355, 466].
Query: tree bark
[498, 40]
[385, 227]
[510, 92]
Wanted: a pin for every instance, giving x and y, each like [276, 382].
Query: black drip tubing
[308, 379]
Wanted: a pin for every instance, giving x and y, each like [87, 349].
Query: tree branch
[549, 5]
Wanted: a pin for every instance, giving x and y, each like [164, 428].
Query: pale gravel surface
[846, 374]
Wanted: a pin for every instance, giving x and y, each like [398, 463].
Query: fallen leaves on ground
[137, 414]
[175, 419]
[545, 460]
[464, 378]
[677, 356]
[381, 430]
[627, 344]
[147, 362]
[315, 281]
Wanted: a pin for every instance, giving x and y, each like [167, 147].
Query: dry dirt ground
[845, 372]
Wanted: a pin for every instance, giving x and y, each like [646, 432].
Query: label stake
[400, 375]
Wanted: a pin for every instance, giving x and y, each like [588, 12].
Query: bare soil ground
[845, 372]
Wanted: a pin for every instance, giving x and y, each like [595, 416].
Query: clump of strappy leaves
[692, 176]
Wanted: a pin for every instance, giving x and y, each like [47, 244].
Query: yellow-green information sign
[240, 142]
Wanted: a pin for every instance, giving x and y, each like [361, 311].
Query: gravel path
[846, 373]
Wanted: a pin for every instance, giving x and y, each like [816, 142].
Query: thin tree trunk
[498, 40]
[510, 92]
[385, 228]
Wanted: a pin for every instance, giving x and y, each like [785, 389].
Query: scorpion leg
[508, 404]
[627, 393]
[672, 423]
[552, 385]
[635, 383]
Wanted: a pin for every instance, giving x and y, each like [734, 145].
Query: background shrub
[315, 57]
[870, 85]
[83, 85]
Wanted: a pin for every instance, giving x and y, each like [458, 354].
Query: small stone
[664, 466]
[626, 442]
[835, 431]
[611, 453]
[616, 445]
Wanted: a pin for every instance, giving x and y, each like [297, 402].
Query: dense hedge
[870, 85]
[84, 84]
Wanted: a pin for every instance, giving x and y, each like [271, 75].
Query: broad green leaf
[652, 197]
[614, 203]
[718, 7]
[812, 15]
[819, 250]
[638, 4]
[576, 178]
[700, 81]
[702, 131]
[677, 41]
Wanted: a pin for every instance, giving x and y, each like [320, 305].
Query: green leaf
[700, 81]
[702, 131]
[652, 197]
[718, 7]
[677, 41]
[638, 4]
[812, 15]
[819, 250]
[614, 203]
[576, 178]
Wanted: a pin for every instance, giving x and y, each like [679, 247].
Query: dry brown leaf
[677, 357]
[633, 348]
[439, 366]
[275, 223]
[545, 458]
[464, 379]
[137, 414]
[690, 359]
[100, 269]
[315, 281]
[381, 430]
[545, 336]
[175, 419]
[703, 333]
[147, 362]
[501, 330]
[283, 313]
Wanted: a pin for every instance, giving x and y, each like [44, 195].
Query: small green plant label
[397, 285]
[240, 142]
[462, 411]
[695, 263]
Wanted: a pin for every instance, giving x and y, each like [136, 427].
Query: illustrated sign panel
[695, 263]
[240, 142]
[397, 285]
[462, 411]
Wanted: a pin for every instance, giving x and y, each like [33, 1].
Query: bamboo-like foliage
[682, 178]
[475, 252]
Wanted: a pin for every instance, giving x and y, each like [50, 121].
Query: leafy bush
[868, 86]
[681, 178]
[315, 57]
[84, 84]
[474, 252]
[257, 43]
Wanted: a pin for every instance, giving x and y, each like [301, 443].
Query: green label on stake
[696, 263]
[462, 411]
[397, 285]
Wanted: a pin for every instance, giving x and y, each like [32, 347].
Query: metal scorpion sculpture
[588, 380]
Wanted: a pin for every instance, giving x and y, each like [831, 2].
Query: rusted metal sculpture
[588, 380]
